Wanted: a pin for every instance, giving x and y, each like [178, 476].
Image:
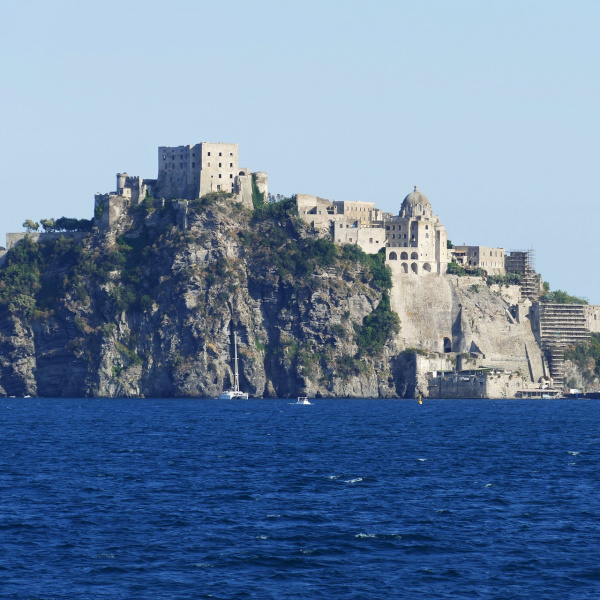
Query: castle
[415, 240]
[184, 173]
[442, 316]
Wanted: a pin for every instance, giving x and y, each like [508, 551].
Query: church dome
[415, 205]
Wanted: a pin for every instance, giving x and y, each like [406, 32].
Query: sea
[260, 499]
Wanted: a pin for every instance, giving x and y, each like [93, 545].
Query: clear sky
[491, 108]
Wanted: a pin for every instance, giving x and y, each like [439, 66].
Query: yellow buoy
[420, 400]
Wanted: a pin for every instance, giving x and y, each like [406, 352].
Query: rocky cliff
[150, 309]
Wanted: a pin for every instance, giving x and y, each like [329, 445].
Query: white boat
[303, 400]
[234, 393]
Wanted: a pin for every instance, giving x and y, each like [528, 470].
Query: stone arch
[447, 345]
[404, 256]
[242, 173]
[405, 267]
[414, 256]
[414, 268]
[393, 256]
[427, 267]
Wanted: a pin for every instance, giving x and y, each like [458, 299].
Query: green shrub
[560, 297]
[455, 269]
[586, 356]
[378, 327]
[380, 271]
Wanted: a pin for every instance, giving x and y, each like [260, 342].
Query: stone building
[491, 260]
[190, 172]
[184, 173]
[359, 223]
[416, 241]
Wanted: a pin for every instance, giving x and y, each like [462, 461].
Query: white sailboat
[234, 393]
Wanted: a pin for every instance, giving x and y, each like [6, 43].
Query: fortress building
[416, 238]
[184, 173]
[190, 172]
[491, 260]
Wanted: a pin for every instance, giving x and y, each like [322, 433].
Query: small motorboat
[303, 400]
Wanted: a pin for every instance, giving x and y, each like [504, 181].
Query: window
[220, 164]
[220, 154]
[394, 235]
[387, 227]
[181, 165]
[231, 154]
[209, 163]
[208, 154]
[218, 187]
[193, 165]
[220, 175]
[194, 154]
[231, 165]
[230, 176]
[349, 239]
[370, 240]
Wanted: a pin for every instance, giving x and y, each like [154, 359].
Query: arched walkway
[427, 267]
[393, 256]
[414, 256]
[414, 268]
[405, 267]
[447, 345]
[404, 256]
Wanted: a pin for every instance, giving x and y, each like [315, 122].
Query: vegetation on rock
[149, 310]
[587, 357]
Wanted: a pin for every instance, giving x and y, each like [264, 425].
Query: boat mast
[236, 384]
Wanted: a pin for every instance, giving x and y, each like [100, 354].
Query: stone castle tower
[189, 172]
[416, 241]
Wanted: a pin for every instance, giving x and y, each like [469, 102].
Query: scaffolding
[523, 262]
[561, 325]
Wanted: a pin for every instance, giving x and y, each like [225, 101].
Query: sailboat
[234, 393]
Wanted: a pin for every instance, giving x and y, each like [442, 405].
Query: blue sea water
[358, 499]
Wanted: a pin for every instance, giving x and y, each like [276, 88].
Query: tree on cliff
[31, 225]
[49, 225]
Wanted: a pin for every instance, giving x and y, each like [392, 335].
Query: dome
[415, 204]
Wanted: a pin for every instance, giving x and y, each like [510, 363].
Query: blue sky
[492, 109]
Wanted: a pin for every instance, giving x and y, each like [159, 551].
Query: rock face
[462, 315]
[149, 307]
[150, 310]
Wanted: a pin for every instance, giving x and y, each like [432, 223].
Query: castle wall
[179, 171]
[406, 262]
[489, 259]
[365, 212]
[219, 167]
[474, 384]
[188, 172]
[243, 188]
[317, 212]
[370, 239]
[592, 318]
[12, 239]
[262, 183]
